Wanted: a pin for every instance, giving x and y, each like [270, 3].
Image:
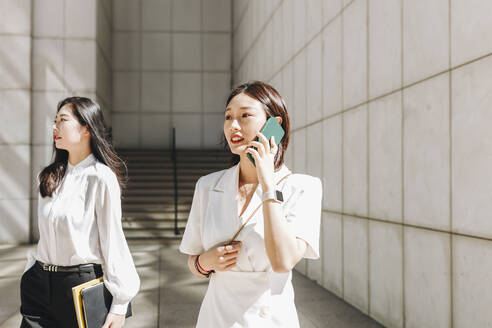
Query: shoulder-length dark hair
[273, 104]
[88, 114]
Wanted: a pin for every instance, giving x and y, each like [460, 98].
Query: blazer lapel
[224, 198]
[222, 207]
[228, 181]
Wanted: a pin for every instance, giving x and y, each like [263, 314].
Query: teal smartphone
[271, 129]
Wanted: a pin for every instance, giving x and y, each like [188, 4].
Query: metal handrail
[175, 170]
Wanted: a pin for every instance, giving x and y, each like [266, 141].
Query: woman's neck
[247, 171]
[78, 155]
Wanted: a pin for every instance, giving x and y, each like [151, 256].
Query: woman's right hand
[222, 257]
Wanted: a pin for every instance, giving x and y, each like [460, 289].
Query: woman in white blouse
[79, 218]
[240, 233]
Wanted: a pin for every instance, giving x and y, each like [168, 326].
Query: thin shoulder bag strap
[254, 212]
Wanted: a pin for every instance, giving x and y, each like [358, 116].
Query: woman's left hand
[264, 159]
[114, 320]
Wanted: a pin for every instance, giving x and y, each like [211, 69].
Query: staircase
[148, 202]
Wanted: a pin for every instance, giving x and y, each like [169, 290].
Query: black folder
[96, 302]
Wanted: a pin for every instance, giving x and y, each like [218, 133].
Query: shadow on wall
[14, 138]
[15, 194]
[13, 64]
[17, 164]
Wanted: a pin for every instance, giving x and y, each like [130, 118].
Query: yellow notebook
[77, 299]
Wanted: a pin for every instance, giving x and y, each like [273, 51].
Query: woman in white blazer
[240, 233]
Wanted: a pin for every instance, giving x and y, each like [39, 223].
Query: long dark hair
[88, 114]
[273, 104]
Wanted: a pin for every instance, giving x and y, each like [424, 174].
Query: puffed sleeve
[303, 211]
[120, 275]
[192, 241]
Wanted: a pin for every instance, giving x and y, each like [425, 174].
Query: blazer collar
[229, 179]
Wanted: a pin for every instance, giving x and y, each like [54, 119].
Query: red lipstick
[236, 138]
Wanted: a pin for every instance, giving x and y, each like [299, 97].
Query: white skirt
[244, 299]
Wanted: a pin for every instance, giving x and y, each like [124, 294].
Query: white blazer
[251, 294]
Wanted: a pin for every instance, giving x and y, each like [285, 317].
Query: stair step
[148, 164]
[188, 163]
[163, 233]
[180, 165]
[156, 161]
[160, 184]
[154, 216]
[168, 160]
[170, 172]
[168, 153]
[156, 199]
[159, 192]
[154, 208]
[138, 152]
[152, 224]
[161, 178]
[163, 242]
[203, 156]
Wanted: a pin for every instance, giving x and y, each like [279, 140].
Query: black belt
[73, 268]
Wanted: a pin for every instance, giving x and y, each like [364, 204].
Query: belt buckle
[50, 268]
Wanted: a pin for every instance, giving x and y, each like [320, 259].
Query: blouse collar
[88, 161]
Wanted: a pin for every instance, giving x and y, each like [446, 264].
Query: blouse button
[264, 311]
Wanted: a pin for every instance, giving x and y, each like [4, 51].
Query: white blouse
[250, 294]
[81, 223]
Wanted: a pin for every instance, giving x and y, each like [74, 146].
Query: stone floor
[170, 296]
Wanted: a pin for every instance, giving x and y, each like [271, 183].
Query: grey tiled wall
[172, 67]
[15, 112]
[50, 50]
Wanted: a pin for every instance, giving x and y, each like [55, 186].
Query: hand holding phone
[271, 129]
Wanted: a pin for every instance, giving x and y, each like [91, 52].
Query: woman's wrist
[201, 266]
[200, 269]
[203, 261]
